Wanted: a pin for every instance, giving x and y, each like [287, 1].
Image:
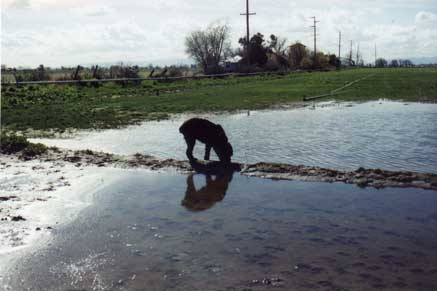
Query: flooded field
[167, 231]
[382, 134]
[155, 231]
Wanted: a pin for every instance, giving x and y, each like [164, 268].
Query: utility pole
[247, 14]
[350, 54]
[339, 45]
[375, 55]
[358, 54]
[315, 36]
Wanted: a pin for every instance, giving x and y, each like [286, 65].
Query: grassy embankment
[113, 105]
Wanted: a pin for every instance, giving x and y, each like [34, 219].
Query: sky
[66, 33]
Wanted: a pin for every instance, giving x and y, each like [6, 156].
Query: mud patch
[361, 177]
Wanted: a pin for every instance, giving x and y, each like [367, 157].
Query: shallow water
[154, 231]
[387, 135]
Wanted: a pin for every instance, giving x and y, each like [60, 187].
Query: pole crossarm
[315, 35]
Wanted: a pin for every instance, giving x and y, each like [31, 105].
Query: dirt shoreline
[361, 177]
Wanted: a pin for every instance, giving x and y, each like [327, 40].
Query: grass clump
[33, 150]
[12, 144]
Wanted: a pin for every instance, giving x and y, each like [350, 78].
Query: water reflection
[206, 197]
[214, 190]
[266, 235]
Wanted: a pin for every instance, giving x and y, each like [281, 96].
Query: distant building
[298, 46]
[296, 54]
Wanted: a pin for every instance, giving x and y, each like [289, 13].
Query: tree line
[401, 63]
[119, 71]
[211, 50]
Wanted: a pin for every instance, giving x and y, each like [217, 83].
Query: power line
[247, 14]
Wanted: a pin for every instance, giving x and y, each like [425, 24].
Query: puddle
[343, 136]
[154, 231]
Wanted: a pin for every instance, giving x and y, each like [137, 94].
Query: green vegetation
[11, 144]
[42, 73]
[113, 105]
[33, 150]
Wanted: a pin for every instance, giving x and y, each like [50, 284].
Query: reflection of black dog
[212, 135]
[204, 198]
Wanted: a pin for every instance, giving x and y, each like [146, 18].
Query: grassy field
[113, 105]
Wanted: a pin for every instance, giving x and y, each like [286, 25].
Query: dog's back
[203, 130]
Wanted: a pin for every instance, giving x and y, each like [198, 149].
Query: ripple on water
[386, 135]
[262, 234]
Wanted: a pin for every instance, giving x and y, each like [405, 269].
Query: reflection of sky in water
[386, 135]
[301, 236]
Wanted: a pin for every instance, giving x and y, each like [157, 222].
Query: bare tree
[278, 45]
[209, 47]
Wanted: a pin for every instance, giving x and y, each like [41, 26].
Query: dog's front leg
[207, 152]
[190, 146]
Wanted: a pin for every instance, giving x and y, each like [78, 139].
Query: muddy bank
[361, 177]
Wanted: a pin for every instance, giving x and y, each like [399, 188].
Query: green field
[111, 105]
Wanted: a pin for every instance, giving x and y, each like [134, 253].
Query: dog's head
[225, 152]
[224, 149]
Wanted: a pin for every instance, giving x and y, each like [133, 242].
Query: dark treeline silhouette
[211, 50]
[43, 73]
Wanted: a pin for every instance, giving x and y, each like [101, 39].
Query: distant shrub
[307, 63]
[88, 152]
[34, 149]
[123, 71]
[39, 74]
[175, 72]
[11, 144]
[55, 149]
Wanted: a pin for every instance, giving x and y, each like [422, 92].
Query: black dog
[212, 135]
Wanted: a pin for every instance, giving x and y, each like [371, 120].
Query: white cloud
[19, 4]
[95, 11]
[61, 32]
[426, 19]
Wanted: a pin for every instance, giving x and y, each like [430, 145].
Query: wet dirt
[361, 177]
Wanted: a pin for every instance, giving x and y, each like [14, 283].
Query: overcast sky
[60, 32]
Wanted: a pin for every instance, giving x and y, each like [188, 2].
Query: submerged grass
[113, 105]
